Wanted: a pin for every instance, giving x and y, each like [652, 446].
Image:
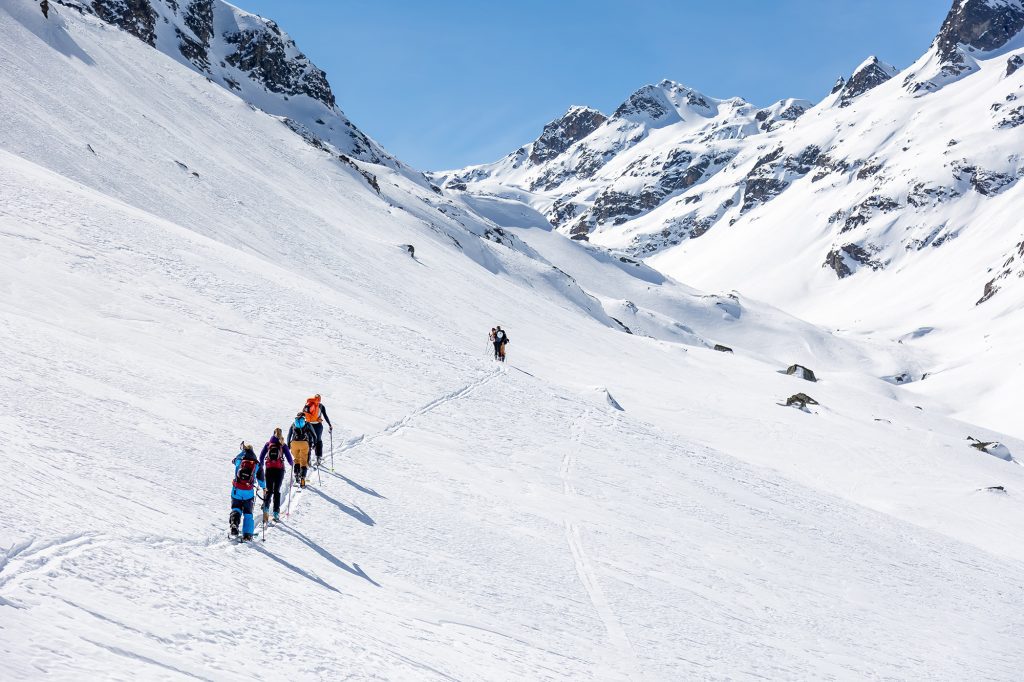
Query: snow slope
[889, 206]
[483, 522]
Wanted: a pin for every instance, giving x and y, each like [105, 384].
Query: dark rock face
[790, 113]
[1011, 119]
[984, 182]
[647, 100]
[134, 16]
[1013, 63]
[1013, 263]
[827, 165]
[867, 209]
[44, 5]
[559, 135]
[198, 16]
[722, 349]
[763, 182]
[867, 77]
[980, 24]
[988, 292]
[836, 259]
[261, 54]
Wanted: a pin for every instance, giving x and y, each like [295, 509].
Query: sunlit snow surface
[483, 521]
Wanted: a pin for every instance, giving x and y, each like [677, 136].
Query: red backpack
[275, 459]
[245, 478]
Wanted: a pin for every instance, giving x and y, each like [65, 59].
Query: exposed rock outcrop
[559, 135]
[801, 372]
[868, 75]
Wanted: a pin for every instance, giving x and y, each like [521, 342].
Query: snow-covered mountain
[622, 500]
[247, 54]
[886, 207]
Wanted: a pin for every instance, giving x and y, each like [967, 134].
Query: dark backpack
[246, 475]
[274, 453]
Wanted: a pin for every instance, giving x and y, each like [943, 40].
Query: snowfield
[180, 270]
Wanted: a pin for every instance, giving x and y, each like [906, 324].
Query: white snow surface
[180, 271]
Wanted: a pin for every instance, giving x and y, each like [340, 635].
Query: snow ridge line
[397, 426]
[625, 654]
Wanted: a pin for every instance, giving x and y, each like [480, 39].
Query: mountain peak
[558, 135]
[983, 25]
[662, 102]
[870, 74]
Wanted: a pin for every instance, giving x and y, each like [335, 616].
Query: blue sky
[448, 83]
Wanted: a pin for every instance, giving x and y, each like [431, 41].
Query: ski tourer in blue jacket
[248, 475]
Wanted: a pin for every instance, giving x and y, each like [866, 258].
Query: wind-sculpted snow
[181, 270]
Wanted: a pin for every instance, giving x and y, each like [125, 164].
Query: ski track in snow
[395, 427]
[625, 655]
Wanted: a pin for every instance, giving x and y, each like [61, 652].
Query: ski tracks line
[400, 424]
[397, 426]
[30, 556]
[625, 654]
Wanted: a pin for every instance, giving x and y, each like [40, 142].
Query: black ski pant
[275, 477]
[318, 429]
[497, 350]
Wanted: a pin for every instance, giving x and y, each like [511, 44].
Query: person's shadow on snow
[354, 569]
[355, 512]
[360, 488]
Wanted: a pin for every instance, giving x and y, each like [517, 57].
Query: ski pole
[332, 451]
[319, 482]
[288, 511]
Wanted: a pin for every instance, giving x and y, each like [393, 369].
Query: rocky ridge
[871, 170]
[248, 55]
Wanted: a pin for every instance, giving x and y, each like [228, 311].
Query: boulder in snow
[993, 448]
[801, 372]
[800, 401]
[722, 349]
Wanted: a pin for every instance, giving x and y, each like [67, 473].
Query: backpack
[274, 453]
[245, 477]
[500, 335]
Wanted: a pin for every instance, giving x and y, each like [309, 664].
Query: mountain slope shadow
[356, 513]
[354, 569]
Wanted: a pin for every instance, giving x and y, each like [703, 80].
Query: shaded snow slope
[180, 271]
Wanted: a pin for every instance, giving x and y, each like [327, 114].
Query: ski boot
[277, 516]
[235, 518]
[302, 483]
[247, 537]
